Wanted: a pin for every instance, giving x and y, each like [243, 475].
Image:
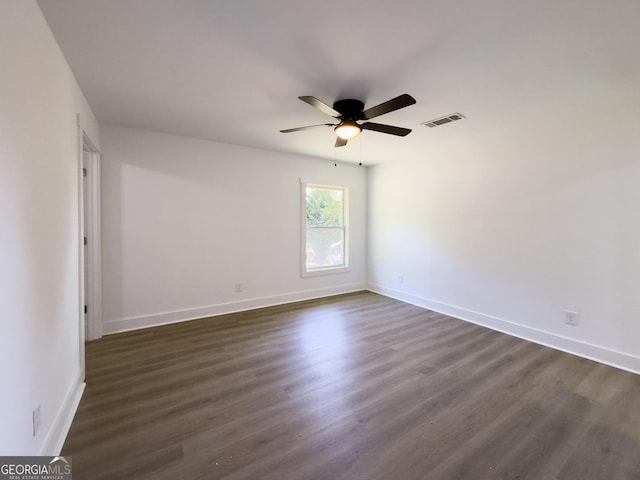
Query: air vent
[442, 120]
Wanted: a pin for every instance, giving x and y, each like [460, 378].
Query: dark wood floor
[357, 386]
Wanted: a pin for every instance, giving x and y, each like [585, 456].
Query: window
[325, 236]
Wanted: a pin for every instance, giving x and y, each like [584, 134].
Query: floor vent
[442, 120]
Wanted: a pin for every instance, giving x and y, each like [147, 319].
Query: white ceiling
[231, 71]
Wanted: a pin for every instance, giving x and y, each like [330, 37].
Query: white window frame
[303, 247]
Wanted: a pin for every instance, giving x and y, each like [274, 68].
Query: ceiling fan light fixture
[348, 111]
[348, 129]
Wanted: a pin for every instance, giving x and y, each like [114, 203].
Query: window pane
[325, 247]
[325, 207]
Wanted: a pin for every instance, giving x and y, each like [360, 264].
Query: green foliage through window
[324, 207]
[325, 228]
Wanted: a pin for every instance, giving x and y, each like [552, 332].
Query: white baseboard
[54, 441]
[623, 361]
[154, 320]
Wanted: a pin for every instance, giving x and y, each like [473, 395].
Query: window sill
[325, 271]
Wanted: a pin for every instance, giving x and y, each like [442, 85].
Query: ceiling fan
[350, 111]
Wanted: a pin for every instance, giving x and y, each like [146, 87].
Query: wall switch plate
[571, 318]
[36, 420]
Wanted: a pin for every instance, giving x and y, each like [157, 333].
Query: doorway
[91, 240]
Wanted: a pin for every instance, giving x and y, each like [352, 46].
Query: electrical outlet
[36, 420]
[239, 287]
[571, 318]
[400, 279]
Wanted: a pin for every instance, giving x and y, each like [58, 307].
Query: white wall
[184, 220]
[511, 230]
[39, 232]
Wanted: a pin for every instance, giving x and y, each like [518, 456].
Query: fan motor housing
[349, 108]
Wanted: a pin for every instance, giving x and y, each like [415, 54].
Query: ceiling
[232, 71]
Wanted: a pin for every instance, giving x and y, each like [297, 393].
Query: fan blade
[397, 103]
[297, 129]
[340, 142]
[379, 127]
[323, 107]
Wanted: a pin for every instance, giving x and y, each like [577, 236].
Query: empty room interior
[335, 240]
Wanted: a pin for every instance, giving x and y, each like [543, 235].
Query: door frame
[92, 265]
